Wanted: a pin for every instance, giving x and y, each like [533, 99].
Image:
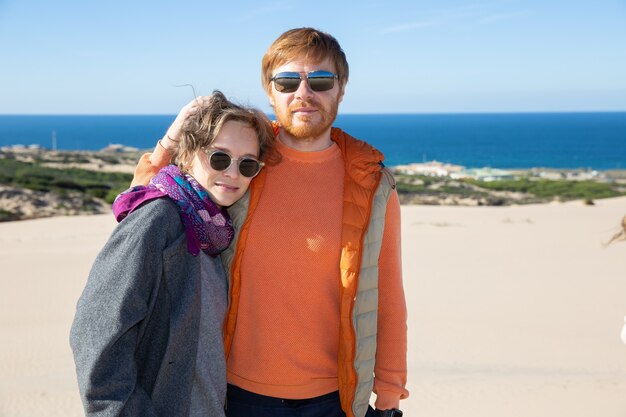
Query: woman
[147, 336]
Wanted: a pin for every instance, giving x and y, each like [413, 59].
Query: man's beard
[308, 130]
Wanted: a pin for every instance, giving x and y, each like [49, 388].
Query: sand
[513, 311]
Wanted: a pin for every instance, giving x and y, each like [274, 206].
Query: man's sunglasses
[221, 161]
[288, 82]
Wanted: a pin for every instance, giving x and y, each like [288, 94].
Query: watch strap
[394, 412]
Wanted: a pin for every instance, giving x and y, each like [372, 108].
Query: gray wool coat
[147, 335]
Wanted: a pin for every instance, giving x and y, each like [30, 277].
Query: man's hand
[172, 136]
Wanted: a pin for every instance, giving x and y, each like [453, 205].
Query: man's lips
[304, 110]
[304, 107]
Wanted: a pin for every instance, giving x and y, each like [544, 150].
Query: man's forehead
[306, 65]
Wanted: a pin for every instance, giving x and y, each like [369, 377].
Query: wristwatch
[394, 412]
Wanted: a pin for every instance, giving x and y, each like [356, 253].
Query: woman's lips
[226, 187]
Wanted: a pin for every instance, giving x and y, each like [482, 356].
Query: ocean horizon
[581, 140]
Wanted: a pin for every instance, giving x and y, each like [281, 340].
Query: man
[317, 315]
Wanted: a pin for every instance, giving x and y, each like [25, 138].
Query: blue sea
[517, 140]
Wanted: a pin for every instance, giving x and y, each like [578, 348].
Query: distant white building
[583, 175]
[570, 175]
[551, 175]
[430, 169]
[484, 174]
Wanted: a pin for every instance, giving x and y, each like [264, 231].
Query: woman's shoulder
[161, 214]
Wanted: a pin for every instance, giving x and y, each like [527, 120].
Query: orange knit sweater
[287, 332]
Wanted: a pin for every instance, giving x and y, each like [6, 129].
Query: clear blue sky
[126, 57]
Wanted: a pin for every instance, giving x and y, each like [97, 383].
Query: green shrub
[39, 178]
[113, 193]
[7, 216]
[564, 189]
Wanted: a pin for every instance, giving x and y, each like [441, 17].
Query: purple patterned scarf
[208, 227]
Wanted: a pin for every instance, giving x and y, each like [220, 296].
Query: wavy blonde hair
[201, 128]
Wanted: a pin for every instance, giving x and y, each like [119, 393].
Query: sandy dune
[513, 311]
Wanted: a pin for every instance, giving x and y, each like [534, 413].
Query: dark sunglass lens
[286, 84]
[321, 83]
[220, 161]
[321, 80]
[249, 167]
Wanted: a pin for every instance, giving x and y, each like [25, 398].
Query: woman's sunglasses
[221, 161]
[288, 82]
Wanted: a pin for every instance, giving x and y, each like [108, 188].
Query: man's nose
[304, 89]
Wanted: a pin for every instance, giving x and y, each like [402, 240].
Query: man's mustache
[310, 103]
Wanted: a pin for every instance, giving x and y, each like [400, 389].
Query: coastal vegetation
[422, 189]
[40, 183]
[37, 183]
[33, 176]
